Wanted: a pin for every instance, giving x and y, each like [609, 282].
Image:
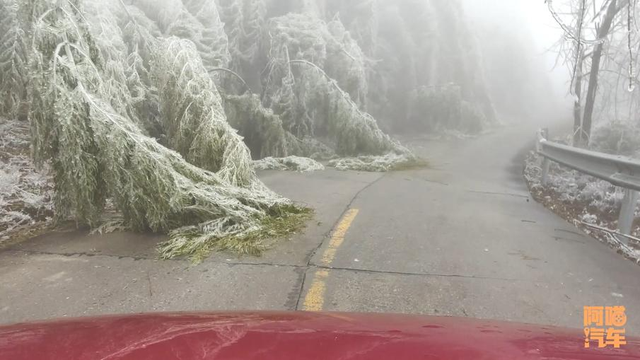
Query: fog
[531, 23]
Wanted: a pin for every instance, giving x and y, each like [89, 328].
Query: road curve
[464, 238]
[461, 238]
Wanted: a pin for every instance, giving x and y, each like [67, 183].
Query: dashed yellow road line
[314, 299]
[315, 296]
[338, 236]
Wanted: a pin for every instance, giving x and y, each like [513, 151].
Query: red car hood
[295, 335]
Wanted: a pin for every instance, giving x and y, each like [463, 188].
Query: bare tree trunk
[577, 106]
[577, 79]
[585, 134]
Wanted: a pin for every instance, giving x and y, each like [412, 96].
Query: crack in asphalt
[391, 272]
[327, 235]
[498, 193]
[303, 268]
[301, 288]
[87, 254]
[435, 182]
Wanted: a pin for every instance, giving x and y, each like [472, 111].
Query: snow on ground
[25, 193]
[580, 198]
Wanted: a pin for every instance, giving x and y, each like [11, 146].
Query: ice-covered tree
[450, 54]
[313, 97]
[394, 76]
[98, 152]
[214, 43]
[361, 18]
[414, 44]
[193, 117]
[312, 64]
[592, 29]
[244, 23]
[327, 45]
[13, 59]
[403, 53]
[124, 71]
[195, 20]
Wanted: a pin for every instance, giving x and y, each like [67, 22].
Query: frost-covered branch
[13, 59]
[98, 152]
[235, 74]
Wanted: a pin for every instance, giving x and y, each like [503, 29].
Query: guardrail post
[627, 212]
[545, 171]
[543, 135]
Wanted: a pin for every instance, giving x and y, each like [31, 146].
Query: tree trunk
[577, 78]
[577, 106]
[585, 134]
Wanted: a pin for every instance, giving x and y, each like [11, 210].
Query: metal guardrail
[618, 170]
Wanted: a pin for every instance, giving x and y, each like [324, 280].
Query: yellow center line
[315, 296]
[337, 238]
[314, 299]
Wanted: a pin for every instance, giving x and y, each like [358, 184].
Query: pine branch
[244, 83]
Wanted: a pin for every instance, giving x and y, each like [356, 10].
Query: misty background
[518, 38]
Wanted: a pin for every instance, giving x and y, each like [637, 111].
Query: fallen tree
[97, 152]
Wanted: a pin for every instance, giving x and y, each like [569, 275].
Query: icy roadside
[25, 194]
[579, 198]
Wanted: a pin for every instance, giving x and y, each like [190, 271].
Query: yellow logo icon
[604, 325]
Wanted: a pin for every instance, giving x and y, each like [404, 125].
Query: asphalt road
[461, 238]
